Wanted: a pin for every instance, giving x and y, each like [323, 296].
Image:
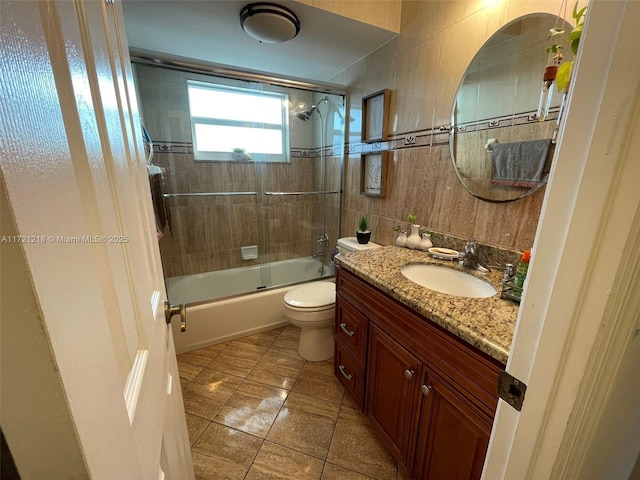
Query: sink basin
[447, 280]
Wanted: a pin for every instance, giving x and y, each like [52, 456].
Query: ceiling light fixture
[269, 23]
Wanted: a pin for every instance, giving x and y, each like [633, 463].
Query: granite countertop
[486, 323]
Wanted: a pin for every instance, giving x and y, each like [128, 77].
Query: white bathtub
[212, 319]
[226, 283]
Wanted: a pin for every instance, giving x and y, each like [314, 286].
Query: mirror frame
[553, 119]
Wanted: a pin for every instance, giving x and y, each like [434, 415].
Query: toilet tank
[350, 244]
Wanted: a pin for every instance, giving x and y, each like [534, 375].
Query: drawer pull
[348, 376]
[409, 374]
[343, 326]
[426, 390]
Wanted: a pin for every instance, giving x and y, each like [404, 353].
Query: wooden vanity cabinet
[430, 395]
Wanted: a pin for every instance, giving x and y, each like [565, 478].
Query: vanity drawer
[351, 328]
[350, 373]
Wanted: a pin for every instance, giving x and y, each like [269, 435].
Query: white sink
[447, 280]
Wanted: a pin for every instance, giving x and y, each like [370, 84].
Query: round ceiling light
[269, 23]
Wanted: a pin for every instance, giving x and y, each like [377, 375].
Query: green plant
[412, 219]
[239, 150]
[563, 76]
[363, 224]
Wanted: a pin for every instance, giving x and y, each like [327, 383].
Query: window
[225, 118]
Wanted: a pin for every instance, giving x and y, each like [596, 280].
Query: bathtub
[217, 310]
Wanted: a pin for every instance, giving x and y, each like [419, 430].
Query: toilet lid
[316, 294]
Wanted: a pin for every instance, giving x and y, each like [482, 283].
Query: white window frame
[283, 127]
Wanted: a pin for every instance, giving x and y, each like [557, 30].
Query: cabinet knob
[343, 326]
[426, 390]
[409, 374]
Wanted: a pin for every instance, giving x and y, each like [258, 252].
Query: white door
[77, 186]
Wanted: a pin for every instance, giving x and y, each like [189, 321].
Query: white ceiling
[209, 30]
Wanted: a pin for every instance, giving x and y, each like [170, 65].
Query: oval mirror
[500, 146]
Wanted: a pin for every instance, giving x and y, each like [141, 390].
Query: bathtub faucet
[323, 241]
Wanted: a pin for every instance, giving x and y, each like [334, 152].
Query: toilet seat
[309, 309]
[316, 296]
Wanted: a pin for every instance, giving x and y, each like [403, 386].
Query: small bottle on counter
[521, 273]
[401, 241]
[413, 240]
[426, 243]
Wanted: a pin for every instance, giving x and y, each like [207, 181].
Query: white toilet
[312, 308]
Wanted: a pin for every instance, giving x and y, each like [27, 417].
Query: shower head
[305, 115]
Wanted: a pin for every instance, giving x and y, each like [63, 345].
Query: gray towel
[519, 164]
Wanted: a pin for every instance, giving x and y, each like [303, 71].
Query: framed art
[375, 109]
[373, 174]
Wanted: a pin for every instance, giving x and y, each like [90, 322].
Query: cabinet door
[453, 436]
[392, 379]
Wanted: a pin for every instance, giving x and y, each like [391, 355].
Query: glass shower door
[240, 217]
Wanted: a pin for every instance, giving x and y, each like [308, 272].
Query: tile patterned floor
[256, 410]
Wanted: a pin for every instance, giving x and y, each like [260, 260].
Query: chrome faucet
[469, 258]
[323, 240]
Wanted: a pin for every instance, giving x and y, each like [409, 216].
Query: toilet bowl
[312, 308]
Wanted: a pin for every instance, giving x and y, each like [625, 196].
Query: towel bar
[326, 192]
[207, 194]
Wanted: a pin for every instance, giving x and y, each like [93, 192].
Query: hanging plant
[554, 50]
[563, 77]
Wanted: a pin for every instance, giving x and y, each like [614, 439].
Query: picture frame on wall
[375, 113]
[373, 173]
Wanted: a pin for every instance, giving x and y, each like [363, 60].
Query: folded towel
[163, 214]
[519, 164]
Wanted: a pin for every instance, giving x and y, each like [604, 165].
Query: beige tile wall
[423, 68]
[207, 232]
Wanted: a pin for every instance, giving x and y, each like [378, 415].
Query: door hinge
[511, 390]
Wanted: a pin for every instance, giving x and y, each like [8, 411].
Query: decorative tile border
[172, 147]
[430, 137]
[438, 136]
[187, 148]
